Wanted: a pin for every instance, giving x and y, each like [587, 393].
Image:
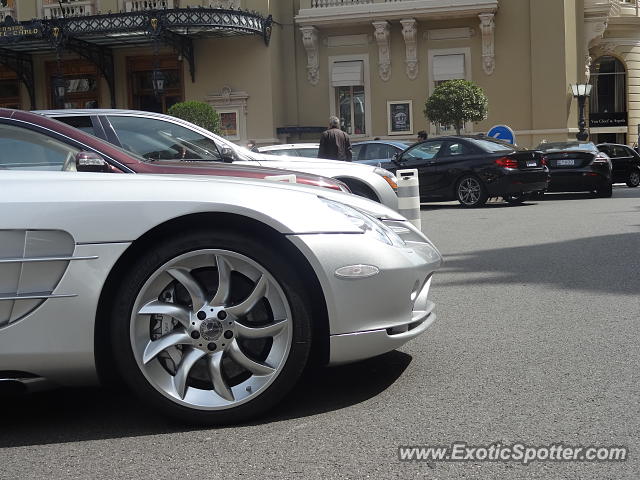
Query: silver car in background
[158, 136]
[208, 296]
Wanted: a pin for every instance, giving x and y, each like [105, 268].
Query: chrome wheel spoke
[219, 384]
[187, 362]
[154, 347]
[260, 332]
[241, 359]
[245, 306]
[173, 310]
[184, 277]
[224, 281]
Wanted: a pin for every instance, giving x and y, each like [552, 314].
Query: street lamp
[157, 80]
[581, 91]
[59, 89]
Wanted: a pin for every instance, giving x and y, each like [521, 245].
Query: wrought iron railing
[345, 3]
[142, 5]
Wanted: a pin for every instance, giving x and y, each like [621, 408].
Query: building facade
[277, 69]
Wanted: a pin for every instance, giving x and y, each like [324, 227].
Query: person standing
[334, 143]
[422, 135]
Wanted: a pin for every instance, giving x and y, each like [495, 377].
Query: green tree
[199, 113]
[455, 102]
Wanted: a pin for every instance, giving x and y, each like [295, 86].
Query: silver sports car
[207, 296]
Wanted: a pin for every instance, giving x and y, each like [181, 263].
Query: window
[140, 72]
[24, 149]
[379, 151]
[448, 67]
[9, 89]
[349, 93]
[424, 151]
[455, 149]
[81, 123]
[608, 94]
[355, 151]
[160, 140]
[82, 88]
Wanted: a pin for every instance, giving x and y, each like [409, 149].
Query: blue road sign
[502, 132]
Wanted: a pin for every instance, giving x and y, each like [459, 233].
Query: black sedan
[472, 169]
[625, 161]
[578, 167]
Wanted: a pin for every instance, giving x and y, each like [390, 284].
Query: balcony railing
[7, 9]
[74, 8]
[630, 6]
[344, 3]
[141, 5]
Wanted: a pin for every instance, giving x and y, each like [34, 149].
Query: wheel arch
[241, 224]
[358, 183]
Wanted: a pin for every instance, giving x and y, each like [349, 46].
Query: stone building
[277, 69]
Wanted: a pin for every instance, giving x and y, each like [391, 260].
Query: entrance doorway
[141, 94]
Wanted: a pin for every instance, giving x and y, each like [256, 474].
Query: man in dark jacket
[334, 143]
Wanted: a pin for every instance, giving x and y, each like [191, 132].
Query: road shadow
[489, 205]
[608, 263]
[82, 414]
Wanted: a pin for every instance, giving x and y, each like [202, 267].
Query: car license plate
[565, 163]
[532, 163]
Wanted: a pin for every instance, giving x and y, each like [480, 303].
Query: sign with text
[609, 119]
[11, 31]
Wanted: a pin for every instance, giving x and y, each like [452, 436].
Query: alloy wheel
[211, 329]
[469, 191]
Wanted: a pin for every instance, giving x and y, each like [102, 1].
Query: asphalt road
[537, 341]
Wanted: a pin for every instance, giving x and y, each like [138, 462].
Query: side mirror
[228, 155]
[397, 159]
[91, 162]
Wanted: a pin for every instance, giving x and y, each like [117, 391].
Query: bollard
[409, 196]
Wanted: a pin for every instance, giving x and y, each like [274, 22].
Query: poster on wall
[400, 117]
[229, 125]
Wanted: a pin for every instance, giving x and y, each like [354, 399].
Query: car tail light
[601, 158]
[544, 161]
[506, 162]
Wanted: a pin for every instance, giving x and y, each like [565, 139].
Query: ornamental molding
[228, 98]
[487, 28]
[383, 39]
[410, 34]
[449, 33]
[227, 4]
[310, 42]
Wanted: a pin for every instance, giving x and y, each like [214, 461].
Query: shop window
[608, 93]
[82, 86]
[142, 95]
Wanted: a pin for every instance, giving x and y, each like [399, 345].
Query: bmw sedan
[578, 167]
[471, 169]
[208, 302]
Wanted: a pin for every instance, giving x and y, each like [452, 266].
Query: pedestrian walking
[334, 143]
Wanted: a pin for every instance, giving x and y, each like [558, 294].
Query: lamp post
[59, 89]
[581, 91]
[157, 80]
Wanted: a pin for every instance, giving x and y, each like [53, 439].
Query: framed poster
[400, 117]
[229, 128]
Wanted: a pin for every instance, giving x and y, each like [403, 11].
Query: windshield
[588, 146]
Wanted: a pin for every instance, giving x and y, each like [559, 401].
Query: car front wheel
[634, 178]
[471, 192]
[211, 327]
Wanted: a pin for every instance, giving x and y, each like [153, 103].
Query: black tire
[471, 192]
[633, 180]
[516, 198]
[606, 191]
[361, 190]
[267, 257]
[536, 195]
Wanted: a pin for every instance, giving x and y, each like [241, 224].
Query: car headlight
[369, 225]
[389, 177]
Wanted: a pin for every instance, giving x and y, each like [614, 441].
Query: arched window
[608, 101]
[609, 80]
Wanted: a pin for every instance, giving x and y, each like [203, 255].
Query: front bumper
[373, 315]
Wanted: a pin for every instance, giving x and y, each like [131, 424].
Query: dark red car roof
[165, 167]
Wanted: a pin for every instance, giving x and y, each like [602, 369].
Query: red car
[30, 141]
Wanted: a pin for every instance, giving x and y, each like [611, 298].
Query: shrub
[455, 102]
[199, 113]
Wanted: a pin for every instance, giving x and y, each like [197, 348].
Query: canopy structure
[93, 37]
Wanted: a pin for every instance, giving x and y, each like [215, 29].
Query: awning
[93, 36]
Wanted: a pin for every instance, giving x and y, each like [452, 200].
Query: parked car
[308, 150]
[625, 162]
[578, 167]
[206, 295]
[162, 137]
[472, 168]
[377, 152]
[33, 142]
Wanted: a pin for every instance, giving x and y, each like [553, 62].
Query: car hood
[277, 161]
[178, 167]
